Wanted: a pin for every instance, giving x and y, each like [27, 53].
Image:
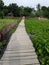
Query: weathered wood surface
[20, 50]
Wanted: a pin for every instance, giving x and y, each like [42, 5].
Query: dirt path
[20, 50]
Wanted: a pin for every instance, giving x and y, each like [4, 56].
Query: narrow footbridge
[20, 50]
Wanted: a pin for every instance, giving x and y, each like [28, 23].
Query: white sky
[30, 3]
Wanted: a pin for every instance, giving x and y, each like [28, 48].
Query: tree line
[16, 11]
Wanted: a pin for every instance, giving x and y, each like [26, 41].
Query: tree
[38, 7]
[33, 13]
[13, 8]
[39, 11]
[45, 11]
[1, 5]
[27, 11]
[1, 9]
[21, 11]
[5, 10]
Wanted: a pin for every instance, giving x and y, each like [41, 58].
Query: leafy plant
[40, 30]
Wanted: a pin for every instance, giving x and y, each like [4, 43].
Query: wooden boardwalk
[20, 50]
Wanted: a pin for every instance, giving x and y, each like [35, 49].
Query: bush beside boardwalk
[38, 31]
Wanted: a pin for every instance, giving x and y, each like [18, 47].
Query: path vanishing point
[20, 50]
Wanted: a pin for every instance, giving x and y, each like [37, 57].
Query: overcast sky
[30, 3]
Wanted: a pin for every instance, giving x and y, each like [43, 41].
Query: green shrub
[1, 14]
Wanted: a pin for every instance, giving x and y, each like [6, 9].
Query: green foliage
[27, 11]
[5, 10]
[1, 9]
[1, 5]
[13, 8]
[45, 11]
[1, 14]
[40, 30]
[4, 22]
[38, 7]
[16, 11]
[0, 45]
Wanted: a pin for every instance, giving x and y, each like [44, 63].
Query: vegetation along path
[20, 50]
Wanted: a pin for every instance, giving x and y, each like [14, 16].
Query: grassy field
[3, 23]
[38, 31]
